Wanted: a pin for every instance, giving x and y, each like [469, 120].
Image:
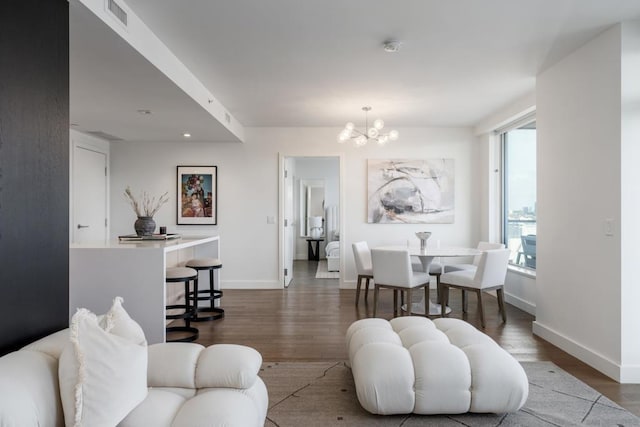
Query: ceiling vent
[104, 135]
[117, 11]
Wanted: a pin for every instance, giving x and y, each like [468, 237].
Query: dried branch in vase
[145, 205]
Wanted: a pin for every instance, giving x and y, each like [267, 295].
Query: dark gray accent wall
[34, 169]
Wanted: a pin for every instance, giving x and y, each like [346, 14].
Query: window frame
[501, 133]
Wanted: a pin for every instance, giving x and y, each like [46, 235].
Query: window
[519, 193]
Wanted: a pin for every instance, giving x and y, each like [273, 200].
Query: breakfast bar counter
[134, 270]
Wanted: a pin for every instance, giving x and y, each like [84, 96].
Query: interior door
[289, 226]
[89, 188]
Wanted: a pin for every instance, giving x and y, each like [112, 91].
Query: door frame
[281, 200]
[81, 140]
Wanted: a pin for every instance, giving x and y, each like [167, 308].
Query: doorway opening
[310, 220]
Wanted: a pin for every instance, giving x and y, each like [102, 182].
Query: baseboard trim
[594, 359]
[251, 284]
[522, 304]
[350, 284]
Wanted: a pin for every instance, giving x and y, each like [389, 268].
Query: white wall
[248, 192]
[580, 296]
[630, 195]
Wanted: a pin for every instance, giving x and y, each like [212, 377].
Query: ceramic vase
[144, 226]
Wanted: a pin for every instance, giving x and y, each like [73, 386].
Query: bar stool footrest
[194, 333]
[219, 314]
[185, 315]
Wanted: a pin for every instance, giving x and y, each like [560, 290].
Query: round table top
[436, 252]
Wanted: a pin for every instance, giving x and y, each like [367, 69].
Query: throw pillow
[102, 376]
[118, 322]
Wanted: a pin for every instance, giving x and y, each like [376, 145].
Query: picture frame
[410, 191]
[197, 195]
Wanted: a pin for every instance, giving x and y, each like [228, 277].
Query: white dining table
[426, 257]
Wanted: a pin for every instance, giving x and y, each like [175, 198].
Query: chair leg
[375, 299]
[359, 283]
[465, 305]
[438, 290]
[444, 300]
[409, 302]
[480, 309]
[187, 321]
[500, 294]
[366, 289]
[395, 302]
[426, 301]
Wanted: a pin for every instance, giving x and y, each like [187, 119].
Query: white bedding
[332, 249]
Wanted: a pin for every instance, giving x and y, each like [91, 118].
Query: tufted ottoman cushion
[445, 366]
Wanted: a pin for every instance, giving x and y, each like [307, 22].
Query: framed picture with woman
[197, 195]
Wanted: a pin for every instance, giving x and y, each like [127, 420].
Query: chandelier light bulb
[344, 135]
[373, 133]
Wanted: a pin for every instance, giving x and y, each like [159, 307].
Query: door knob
[82, 226]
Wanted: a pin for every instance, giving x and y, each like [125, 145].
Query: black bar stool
[182, 275]
[211, 294]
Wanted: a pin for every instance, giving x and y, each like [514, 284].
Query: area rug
[323, 394]
[323, 273]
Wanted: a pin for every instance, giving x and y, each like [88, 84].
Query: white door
[289, 226]
[89, 189]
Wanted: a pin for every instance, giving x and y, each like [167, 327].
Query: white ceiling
[316, 63]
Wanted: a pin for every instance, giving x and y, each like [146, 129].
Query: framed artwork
[410, 191]
[197, 195]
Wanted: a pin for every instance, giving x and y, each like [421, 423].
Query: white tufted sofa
[100, 372]
[188, 384]
[445, 366]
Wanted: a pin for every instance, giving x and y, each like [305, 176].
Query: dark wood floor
[307, 322]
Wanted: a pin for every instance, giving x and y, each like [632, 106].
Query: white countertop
[167, 245]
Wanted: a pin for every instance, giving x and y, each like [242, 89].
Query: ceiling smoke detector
[391, 45]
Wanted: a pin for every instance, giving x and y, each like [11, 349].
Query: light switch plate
[608, 227]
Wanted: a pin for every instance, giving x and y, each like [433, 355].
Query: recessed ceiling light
[186, 135]
[391, 45]
[144, 112]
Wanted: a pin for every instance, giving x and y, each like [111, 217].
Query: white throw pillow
[118, 322]
[102, 376]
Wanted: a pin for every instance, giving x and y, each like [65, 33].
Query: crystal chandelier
[373, 133]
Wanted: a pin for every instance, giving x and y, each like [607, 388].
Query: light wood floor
[307, 322]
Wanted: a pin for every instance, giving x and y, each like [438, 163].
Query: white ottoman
[445, 366]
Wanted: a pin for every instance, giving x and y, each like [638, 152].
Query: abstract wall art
[407, 191]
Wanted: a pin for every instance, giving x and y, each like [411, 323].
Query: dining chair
[392, 269]
[437, 269]
[364, 268]
[489, 275]
[529, 250]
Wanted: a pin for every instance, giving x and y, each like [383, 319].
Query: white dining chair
[362, 256]
[489, 275]
[392, 269]
[436, 269]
